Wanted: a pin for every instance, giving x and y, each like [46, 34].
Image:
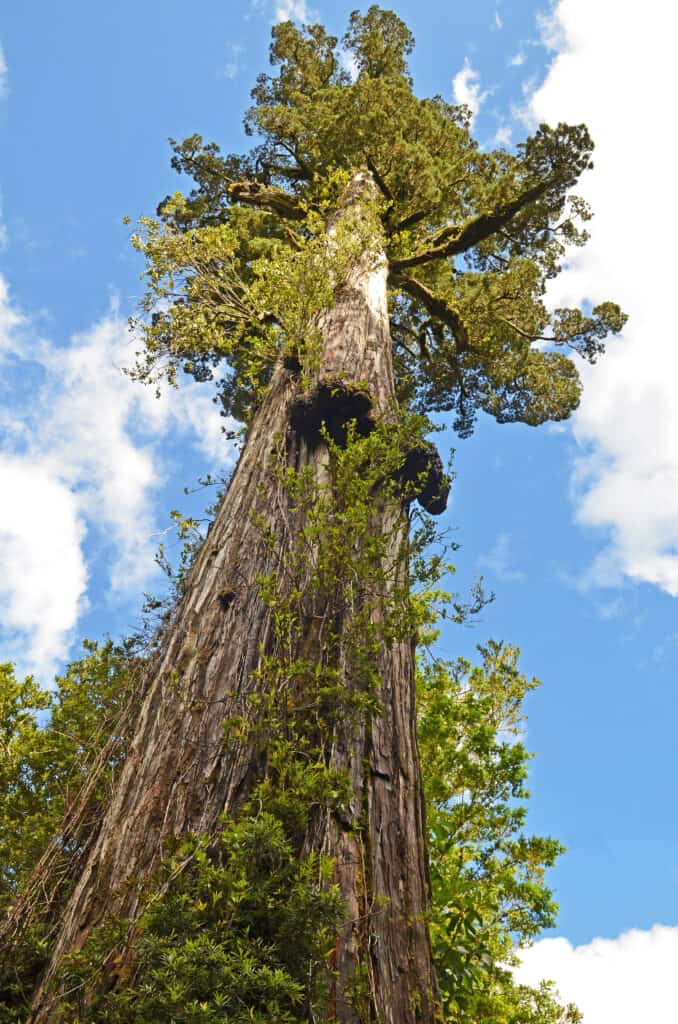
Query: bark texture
[178, 777]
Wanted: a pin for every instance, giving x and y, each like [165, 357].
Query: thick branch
[267, 197]
[283, 171]
[301, 164]
[383, 187]
[409, 222]
[453, 240]
[435, 305]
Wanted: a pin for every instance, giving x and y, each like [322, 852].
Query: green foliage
[487, 875]
[239, 929]
[50, 741]
[24, 778]
[238, 267]
[61, 749]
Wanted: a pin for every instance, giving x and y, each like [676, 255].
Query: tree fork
[179, 778]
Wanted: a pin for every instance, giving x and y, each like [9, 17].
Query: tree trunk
[179, 776]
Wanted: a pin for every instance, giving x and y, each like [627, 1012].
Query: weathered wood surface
[178, 777]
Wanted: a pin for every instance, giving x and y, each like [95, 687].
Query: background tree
[363, 266]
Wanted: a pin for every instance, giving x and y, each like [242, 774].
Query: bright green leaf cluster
[487, 874]
[239, 930]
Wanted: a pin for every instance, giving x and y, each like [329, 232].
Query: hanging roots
[329, 408]
[423, 468]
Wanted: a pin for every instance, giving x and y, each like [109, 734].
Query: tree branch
[295, 241]
[301, 164]
[453, 240]
[523, 333]
[283, 171]
[409, 222]
[383, 187]
[435, 305]
[399, 343]
[266, 197]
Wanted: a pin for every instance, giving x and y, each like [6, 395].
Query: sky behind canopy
[574, 526]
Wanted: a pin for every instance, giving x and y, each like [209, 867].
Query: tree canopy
[471, 237]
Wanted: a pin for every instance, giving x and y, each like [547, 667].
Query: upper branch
[435, 305]
[455, 239]
[383, 187]
[410, 221]
[267, 197]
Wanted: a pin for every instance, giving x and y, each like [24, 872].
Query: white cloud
[348, 62]
[499, 560]
[613, 981]
[82, 456]
[503, 135]
[43, 579]
[3, 73]
[552, 33]
[10, 319]
[283, 10]
[608, 610]
[517, 59]
[626, 477]
[292, 10]
[232, 66]
[466, 89]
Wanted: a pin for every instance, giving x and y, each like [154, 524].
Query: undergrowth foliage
[62, 749]
[238, 929]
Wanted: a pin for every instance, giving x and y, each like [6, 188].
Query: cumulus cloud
[626, 478]
[43, 580]
[82, 456]
[466, 88]
[613, 981]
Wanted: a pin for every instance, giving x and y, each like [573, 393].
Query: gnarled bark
[179, 777]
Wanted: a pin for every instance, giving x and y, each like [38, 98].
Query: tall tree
[364, 265]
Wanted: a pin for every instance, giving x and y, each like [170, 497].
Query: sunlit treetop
[471, 237]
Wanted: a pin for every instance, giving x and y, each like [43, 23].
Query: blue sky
[574, 527]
